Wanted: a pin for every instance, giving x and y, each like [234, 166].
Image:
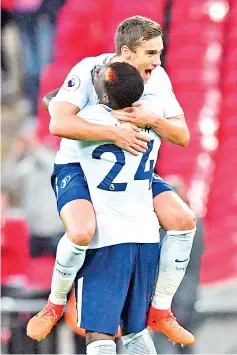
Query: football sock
[101, 347]
[174, 258]
[69, 259]
[139, 343]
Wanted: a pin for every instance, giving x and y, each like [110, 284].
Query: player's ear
[105, 98]
[126, 52]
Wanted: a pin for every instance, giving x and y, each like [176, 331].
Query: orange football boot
[165, 322]
[42, 323]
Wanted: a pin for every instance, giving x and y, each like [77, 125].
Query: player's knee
[80, 236]
[187, 221]
[182, 220]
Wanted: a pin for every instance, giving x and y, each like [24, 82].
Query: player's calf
[69, 259]
[174, 259]
[180, 223]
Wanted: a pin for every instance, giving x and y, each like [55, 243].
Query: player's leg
[77, 213]
[100, 343]
[180, 225]
[137, 339]
[139, 343]
[79, 222]
[101, 288]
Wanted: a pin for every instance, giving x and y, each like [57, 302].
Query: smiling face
[145, 57]
[138, 41]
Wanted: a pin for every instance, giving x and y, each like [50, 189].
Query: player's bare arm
[173, 130]
[127, 137]
[65, 123]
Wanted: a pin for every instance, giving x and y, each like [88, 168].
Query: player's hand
[135, 115]
[131, 139]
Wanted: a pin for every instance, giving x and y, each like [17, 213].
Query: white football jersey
[78, 90]
[120, 185]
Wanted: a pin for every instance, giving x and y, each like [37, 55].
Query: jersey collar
[108, 58]
[107, 108]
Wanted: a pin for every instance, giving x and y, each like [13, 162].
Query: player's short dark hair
[133, 30]
[123, 85]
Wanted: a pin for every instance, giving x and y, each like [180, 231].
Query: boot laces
[170, 315]
[49, 311]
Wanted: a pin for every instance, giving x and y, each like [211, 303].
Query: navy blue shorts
[159, 185]
[114, 287]
[69, 183]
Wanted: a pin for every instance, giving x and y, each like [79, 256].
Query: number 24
[141, 174]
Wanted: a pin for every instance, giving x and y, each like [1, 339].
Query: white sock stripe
[56, 183]
[76, 248]
[79, 300]
[174, 233]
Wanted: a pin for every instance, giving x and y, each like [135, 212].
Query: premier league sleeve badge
[72, 83]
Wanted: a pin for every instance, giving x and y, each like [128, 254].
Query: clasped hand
[135, 115]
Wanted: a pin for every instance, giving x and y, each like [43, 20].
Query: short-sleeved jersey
[78, 90]
[120, 186]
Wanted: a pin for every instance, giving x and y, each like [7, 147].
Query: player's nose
[157, 61]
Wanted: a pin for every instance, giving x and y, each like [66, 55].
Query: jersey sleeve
[172, 107]
[76, 87]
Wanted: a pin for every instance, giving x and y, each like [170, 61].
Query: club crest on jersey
[64, 182]
[72, 84]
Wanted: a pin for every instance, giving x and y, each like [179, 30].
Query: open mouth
[148, 73]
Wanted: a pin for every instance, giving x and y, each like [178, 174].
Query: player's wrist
[155, 120]
[112, 133]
